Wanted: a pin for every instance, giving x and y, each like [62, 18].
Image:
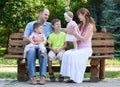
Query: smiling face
[38, 29]
[57, 25]
[44, 14]
[81, 17]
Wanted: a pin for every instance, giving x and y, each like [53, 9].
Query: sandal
[61, 78]
[70, 81]
[52, 77]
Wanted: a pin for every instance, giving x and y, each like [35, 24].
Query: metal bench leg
[94, 70]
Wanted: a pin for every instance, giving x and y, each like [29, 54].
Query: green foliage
[75, 5]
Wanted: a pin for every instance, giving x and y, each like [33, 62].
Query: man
[33, 53]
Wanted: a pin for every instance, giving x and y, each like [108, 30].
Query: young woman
[74, 61]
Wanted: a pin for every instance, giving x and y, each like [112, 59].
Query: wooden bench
[102, 44]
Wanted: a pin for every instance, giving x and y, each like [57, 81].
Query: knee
[32, 51]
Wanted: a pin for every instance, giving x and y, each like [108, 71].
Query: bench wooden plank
[102, 57]
[18, 50]
[16, 36]
[9, 56]
[103, 35]
[104, 50]
[102, 43]
[16, 43]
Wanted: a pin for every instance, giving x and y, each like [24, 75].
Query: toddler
[71, 38]
[37, 40]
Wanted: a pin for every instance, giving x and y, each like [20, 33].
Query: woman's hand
[72, 30]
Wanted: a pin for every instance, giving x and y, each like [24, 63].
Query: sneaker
[52, 77]
[61, 78]
[42, 80]
[33, 81]
[42, 55]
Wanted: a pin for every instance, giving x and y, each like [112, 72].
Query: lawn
[108, 74]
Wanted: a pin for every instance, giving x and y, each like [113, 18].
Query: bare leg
[51, 73]
[50, 66]
[24, 57]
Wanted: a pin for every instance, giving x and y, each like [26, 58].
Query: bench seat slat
[9, 56]
[102, 57]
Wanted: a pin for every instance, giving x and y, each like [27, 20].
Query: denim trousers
[32, 55]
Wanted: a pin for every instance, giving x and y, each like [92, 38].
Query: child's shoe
[61, 78]
[42, 55]
[52, 77]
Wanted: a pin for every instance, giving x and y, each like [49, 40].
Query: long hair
[88, 18]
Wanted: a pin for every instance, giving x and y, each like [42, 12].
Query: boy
[56, 44]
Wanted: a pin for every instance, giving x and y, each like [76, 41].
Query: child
[37, 40]
[56, 44]
[71, 38]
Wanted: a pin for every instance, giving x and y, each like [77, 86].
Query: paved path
[108, 82]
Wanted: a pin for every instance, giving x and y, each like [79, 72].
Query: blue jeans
[31, 61]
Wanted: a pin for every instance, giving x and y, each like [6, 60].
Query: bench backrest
[102, 43]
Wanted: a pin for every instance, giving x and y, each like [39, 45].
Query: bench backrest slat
[15, 50]
[16, 42]
[102, 43]
[103, 35]
[16, 36]
[102, 50]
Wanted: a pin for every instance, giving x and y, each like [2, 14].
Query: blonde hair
[70, 14]
[88, 17]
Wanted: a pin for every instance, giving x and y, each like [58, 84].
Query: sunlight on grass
[13, 75]
[115, 61]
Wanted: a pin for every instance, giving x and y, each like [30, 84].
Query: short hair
[42, 9]
[69, 13]
[36, 25]
[54, 21]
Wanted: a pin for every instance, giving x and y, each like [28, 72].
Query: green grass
[108, 74]
[11, 75]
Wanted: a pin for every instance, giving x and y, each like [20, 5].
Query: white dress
[74, 60]
[74, 66]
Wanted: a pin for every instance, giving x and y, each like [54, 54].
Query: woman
[74, 61]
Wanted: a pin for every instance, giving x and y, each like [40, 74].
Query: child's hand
[35, 43]
[55, 50]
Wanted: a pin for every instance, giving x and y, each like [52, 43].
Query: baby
[71, 38]
[37, 40]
